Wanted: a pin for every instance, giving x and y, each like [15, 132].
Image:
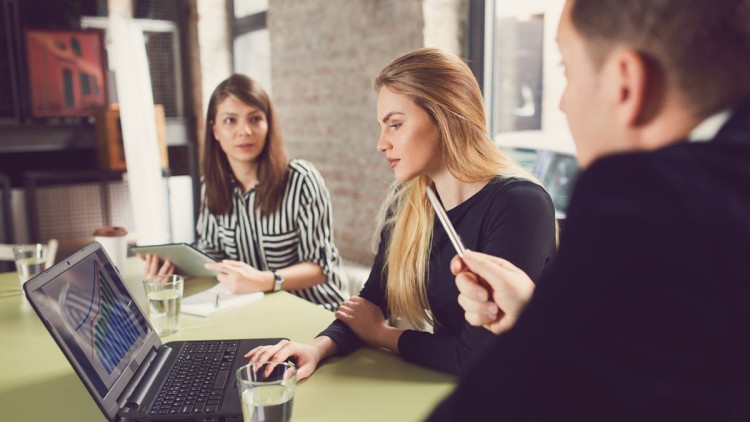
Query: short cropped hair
[703, 46]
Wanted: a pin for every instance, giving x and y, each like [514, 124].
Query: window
[522, 77]
[83, 82]
[75, 45]
[68, 88]
[517, 73]
[522, 83]
[252, 41]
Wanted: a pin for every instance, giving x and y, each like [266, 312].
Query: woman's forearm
[387, 338]
[301, 275]
[326, 346]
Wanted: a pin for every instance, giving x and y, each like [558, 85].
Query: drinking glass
[164, 295]
[267, 391]
[30, 260]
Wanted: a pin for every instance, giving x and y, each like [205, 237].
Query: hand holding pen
[493, 292]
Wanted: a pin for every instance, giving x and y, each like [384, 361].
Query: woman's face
[240, 129]
[408, 137]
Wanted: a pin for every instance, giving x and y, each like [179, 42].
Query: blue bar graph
[111, 330]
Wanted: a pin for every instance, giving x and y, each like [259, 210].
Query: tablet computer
[187, 259]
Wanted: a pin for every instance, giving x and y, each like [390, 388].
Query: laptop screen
[95, 316]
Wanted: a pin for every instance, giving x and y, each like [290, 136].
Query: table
[37, 383]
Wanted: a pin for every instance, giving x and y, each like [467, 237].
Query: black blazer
[645, 312]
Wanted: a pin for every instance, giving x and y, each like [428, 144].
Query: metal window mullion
[488, 75]
[249, 23]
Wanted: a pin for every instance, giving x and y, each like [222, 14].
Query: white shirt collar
[708, 128]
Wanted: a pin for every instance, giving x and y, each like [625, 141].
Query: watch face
[278, 281]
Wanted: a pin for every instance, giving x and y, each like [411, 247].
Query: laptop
[89, 311]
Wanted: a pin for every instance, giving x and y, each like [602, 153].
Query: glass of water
[164, 294]
[30, 260]
[267, 391]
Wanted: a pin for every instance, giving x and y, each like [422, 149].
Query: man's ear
[630, 73]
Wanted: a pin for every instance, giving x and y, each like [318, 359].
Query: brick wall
[214, 29]
[325, 54]
[445, 23]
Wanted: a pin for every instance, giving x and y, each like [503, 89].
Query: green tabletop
[37, 383]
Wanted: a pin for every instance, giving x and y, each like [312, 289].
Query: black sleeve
[374, 291]
[523, 229]
[520, 227]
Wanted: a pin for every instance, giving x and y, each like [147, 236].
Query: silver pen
[443, 217]
[216, 304]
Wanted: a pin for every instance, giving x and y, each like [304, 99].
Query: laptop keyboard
[196, 383]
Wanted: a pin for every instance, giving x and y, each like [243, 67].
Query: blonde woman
[433, 133]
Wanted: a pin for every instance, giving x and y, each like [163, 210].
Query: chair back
[6, 222]
[6, 252]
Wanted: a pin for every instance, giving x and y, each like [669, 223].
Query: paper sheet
[204, 303]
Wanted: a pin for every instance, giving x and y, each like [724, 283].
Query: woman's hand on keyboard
[306, 356]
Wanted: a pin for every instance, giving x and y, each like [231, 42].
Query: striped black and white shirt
[301, 230]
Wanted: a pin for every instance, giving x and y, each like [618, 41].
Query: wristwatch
[278, 281]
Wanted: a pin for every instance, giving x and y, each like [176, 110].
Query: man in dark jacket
[645, 312]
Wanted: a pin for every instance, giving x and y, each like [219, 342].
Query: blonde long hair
[446, 89]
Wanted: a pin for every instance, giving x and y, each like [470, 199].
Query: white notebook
[205, 303]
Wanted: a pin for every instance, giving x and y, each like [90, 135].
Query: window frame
[13, 39]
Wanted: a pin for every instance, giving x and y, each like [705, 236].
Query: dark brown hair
[702, 46]
[273, 163]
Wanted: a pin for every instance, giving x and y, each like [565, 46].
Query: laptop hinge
[136, 390]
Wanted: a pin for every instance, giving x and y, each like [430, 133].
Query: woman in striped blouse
[266, 218]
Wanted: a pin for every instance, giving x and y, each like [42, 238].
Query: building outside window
[523, 79]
